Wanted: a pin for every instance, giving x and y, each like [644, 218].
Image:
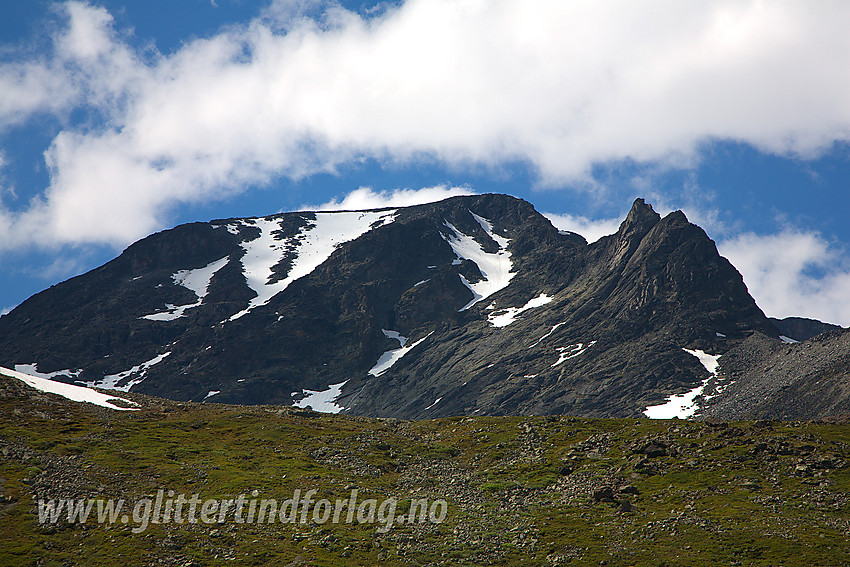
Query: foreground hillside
[518, 490]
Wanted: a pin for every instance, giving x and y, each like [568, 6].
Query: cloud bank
[793, 273]
[591, 230]
[558, 85]
[365, 198]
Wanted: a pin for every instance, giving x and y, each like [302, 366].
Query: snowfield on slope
[138, 374]
[32, 370]
[309, 248]
[495, 267]
[198, 281]
[322, 401]
[69, 391]
[506, 316]
[684, 406]
[109, 382]
[390, 357]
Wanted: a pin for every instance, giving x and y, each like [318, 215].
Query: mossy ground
[520, 490]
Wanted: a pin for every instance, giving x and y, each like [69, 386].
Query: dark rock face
[609, 344]
[800, 328]
[598, 329]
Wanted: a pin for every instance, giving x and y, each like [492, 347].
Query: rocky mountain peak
[471, 305]
[639, 221]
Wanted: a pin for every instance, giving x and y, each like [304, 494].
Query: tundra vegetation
[542, 490]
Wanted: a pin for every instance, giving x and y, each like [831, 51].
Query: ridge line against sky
[126, 118]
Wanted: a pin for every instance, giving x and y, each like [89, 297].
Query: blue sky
[118, 119]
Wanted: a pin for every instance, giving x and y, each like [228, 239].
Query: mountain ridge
[471, 305]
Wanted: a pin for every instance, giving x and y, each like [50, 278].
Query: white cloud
[5, 190]
[29, 88]
[62, 267]
[560, 85]
[88, 67]
[793, 273]
[367, 198]
[591, 230]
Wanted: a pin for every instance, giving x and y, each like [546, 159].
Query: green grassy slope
[520, 490]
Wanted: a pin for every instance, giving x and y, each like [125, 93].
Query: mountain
[801, 328]
[472, 305]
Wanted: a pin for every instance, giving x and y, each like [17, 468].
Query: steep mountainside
[800, 328]
[472, 305]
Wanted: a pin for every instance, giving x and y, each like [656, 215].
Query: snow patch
[390, 334]
[494, 267]
[171, 312]
[390, 357]
[681, 406]
[310, 247]
[788, 340]
[684, 406]
[547, 335]
[709, 361]
[572, 351]
[198, 281]
[437, 401]
[30, 370]
[138, 372]
[505, 317]
[69, 391]
[212, 393]
[323, 401]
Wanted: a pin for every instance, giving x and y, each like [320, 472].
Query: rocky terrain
[547, 491]
[470, 306]
[770, 380]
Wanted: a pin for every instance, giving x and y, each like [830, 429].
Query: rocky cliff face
[608, 343]
[801, 328]
[473, 305]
